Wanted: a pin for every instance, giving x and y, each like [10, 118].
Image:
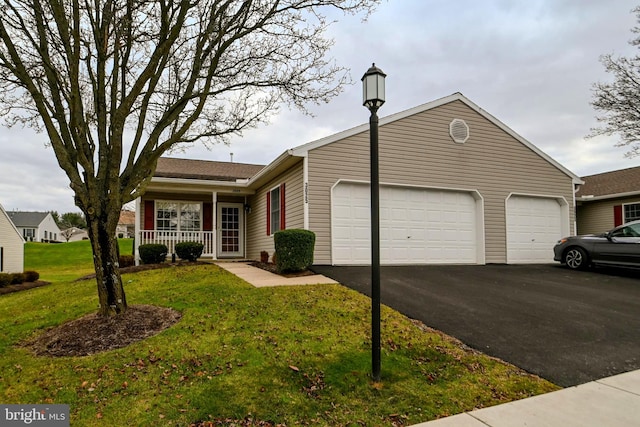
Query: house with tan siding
[607, 200]
[457, 186]
[11, 245]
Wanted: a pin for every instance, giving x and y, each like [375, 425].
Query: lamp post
[373, 98]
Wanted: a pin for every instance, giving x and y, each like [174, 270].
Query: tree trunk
[102, 233]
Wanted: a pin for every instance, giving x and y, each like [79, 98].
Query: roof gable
[611, 183]
[27, 219]
[302, 150]
[13, 226]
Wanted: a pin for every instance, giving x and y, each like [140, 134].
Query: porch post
[137, 235]
[214, 228]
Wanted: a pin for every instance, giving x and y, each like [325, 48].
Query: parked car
[618, 247]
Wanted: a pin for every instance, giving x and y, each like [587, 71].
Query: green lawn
[290, 355]
[57, 262]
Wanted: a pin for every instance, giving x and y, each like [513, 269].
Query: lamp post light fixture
[373, 97]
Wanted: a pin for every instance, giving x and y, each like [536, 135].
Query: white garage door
[417, 226]
[534, 225]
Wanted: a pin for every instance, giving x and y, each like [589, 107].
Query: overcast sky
[531, 64]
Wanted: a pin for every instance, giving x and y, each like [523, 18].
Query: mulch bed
[93, 333]
[272, 269]
[22, 287]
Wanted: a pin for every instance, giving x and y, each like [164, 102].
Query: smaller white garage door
[534, 225]
[417, 226]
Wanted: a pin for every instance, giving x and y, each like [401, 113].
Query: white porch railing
[170, 238]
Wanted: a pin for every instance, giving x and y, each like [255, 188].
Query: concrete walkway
[262, 278]
[611, 402]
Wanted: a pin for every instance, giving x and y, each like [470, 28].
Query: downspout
[576, 188]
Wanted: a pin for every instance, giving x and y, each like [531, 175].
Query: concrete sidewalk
[611, 402]
[261, 278]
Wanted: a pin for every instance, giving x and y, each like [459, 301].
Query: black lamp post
[373, 98]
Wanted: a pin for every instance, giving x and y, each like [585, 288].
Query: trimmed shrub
[17, 278]
[126, 261]
[5, 279]
[31, 276]
[294, 249]
[264, 257]
[189, 251]
[153, 253]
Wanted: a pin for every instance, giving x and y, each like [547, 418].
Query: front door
[230, 230]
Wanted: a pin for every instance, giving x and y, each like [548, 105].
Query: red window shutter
[207, 216]
[617, 215]
[149, 215]
[268, 213]
[282, 211]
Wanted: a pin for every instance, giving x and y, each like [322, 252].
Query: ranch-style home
[457, 187]
[607, 200]
[11, 245]
[36, 226]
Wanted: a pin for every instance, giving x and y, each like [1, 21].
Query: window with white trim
[178, 216]
[631, 212]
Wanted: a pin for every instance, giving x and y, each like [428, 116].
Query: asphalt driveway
[569, 327]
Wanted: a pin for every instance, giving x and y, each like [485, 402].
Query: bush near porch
[294, 249]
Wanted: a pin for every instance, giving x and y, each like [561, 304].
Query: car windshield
[632, 230]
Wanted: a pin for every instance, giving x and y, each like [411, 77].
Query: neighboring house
[11, 245]
[607, 200]
[74, 234]
[36, 226]
[457, 187]
[126, 224]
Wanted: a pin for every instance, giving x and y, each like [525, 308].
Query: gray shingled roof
[609, 183]
[204, 169]
[27, 219]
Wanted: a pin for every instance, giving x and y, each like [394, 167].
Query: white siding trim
[137, 235]
[214, 223]
[305, 191]
[589, 198]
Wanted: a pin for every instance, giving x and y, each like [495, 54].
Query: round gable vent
[459, 131]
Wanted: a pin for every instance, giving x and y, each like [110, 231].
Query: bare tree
[619, 101]
[117, 83]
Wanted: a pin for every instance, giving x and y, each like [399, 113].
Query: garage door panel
[534, 224]
[416, 225]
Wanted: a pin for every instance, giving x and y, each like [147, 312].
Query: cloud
[530, 64]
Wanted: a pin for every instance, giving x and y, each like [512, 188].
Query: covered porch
[215, 217]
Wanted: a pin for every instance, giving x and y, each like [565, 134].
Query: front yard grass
[288, 355]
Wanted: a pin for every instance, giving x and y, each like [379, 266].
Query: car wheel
[576, 258]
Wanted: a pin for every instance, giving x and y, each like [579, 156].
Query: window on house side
[631, 212]
[274, 209]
